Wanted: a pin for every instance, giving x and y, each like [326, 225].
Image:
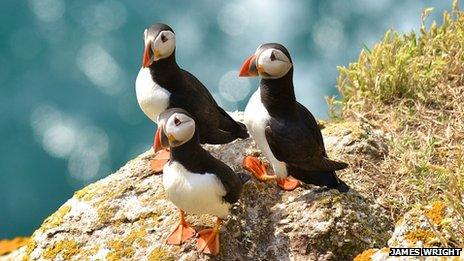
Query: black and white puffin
[285, 131]
[162, 84]
[195, 181]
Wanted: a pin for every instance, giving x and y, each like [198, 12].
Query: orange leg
[257, 168]
[181, 233]
[288, 183]
[160, 159]
[208, 239]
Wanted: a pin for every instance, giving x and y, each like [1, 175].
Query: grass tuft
[411, 86]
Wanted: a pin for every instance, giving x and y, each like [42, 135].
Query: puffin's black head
[160, 42]
[270, 61]
[175, 127]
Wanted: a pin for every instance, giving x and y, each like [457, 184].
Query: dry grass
[412, 87]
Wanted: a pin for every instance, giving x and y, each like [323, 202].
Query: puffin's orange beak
[157, 146]
[249, 67]
[147, 56]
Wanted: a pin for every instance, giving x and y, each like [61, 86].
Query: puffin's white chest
[256, 118]
[153, 99]
[194, 193]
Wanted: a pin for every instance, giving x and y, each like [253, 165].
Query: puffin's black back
[215, 126]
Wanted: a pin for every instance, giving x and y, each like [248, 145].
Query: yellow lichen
[159, 254]
[87, 193]
[106, 213]
[29, 248]
[86, 253]
[66, 249]
[385, 250]
[137, 236]
[366, 255]
[56, 218]
[119, 250]
[426, 236]
[124, 248]
[435, 213]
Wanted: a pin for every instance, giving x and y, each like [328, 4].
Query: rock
[126, 216]
[355, 138]
[422, 226]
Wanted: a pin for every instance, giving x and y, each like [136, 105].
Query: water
[68, 113]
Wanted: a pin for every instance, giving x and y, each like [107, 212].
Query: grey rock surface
[126, 216]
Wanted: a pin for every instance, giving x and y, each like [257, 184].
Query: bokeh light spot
[84, 166]
[100, 68]
[234, 88]
[59, 140]
[110, 15]
[48, 10]
[329, 36]
[233, 19]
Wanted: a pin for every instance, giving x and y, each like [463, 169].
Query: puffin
[194, 180]
[161, 84]
[284, 130]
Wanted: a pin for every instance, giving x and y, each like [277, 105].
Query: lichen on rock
[126, 216]
[422, 226]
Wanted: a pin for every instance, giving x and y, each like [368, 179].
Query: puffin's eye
[272, 57]
[176, 121]
[163, 38]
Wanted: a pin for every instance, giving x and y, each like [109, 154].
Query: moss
[366, 255]
[65, 248]
[426, 236]
[159, 254]
[56, 218]
[353, 127]
[435, 213]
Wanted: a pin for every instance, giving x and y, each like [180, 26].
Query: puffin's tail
[244, 178]
[322, 178]
[242, 132]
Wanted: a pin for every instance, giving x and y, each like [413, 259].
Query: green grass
[411, 86]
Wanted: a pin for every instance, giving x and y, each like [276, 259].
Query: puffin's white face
[179, 128]
[163, 45]
[272, 63]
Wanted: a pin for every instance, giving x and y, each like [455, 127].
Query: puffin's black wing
[225, 122]
[231, 181]
[201, 89]
[299, 142]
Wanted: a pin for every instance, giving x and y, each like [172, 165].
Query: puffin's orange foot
[208, 241]
[257, 168]
[180, 234]
[288, 183]
[159, 161]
